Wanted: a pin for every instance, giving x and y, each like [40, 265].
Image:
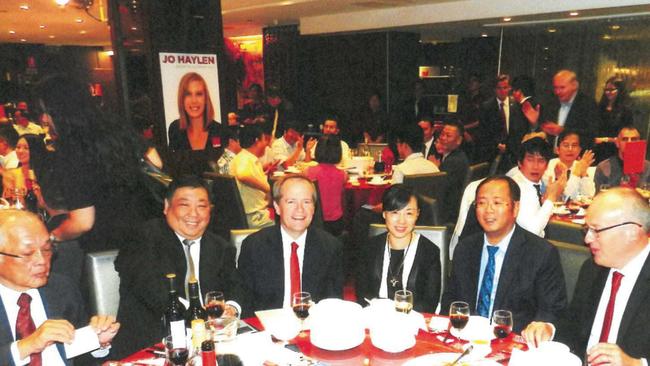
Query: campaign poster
[185, 74]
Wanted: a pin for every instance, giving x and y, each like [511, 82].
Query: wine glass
[459, 315]
[214, 304]
[300, 303]
[176, 352]
[403, 301]
[502, 323]
[604, 187]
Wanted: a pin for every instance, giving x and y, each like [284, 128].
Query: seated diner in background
[291, 147]
[609, 173]
[577, 169]
[401, 258]
[331, 182]
[21, 180]
[331, 127]
[607, 320]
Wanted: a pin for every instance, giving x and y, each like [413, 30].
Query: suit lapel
[5, 328]
[311, 262]
[474, 267]
[509, 268]
[276, 255]
[639, 294]
[377, 265]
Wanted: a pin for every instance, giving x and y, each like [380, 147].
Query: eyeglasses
[586, 229]
[45, 253]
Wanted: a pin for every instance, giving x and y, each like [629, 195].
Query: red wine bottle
[175, 315]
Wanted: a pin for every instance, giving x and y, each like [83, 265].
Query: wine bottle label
[177, 329]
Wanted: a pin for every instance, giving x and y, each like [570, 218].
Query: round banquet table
[367, 354]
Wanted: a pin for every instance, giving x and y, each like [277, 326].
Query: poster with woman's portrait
[190, 84]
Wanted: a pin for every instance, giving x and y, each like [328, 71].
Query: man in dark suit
[39, 311]
[506, 267]
[609, 313]
[572, 109]
[418, 106]
[501, 126]
[426, 124]
[452, 160]
[176, 244]
[290, 257]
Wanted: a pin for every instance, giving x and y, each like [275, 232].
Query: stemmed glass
[502, 323]
[458, 315]
[300, 303]
[403, 301]
[176, 356]
[214, 304]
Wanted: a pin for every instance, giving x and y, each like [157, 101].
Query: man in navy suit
[506, 267]
[265, 262]
[609, 313]
[39, 311]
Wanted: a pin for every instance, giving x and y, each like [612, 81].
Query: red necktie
[294, 269]
[25, 325]
[607, 322]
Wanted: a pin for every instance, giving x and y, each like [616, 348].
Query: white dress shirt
[499, 256]
[50, 354]
[630, 274]
[346, 156]
[413, 164]
[408, 264]
[9, 161]
[286, 251]
[195, 252]
[427, 147]
[282, 150]
[575, 185]
[532, 216]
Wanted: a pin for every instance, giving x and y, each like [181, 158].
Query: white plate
[440, 359]
[477, 328]
[394, 347]
[377, 183]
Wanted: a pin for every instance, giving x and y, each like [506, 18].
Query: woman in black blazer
[400, 258]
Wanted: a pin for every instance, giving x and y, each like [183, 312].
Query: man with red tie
[39, 310]
[293, 256]
[609, 314]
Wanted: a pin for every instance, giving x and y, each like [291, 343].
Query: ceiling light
[552, 30]
[134, 28]
[82, 32]
[23, 40]
[24, 7]
[607, 36]
[42, 26]
[12, 32]
[79, 20]
[574, 13]
[484, 35]
[62, 2]
[545, 48]
[507, 19]
[50, 36]
[615, 27]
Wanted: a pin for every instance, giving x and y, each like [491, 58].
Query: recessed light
[484, 35]
[50, 36]
[23, 40]
[82, 32]
[545, 48]
[574, 13]
[79, 20]
[62, 2]
[615, 27]
[12, 32]
[134, 28]
[507, 19]
[42, 26]
[24, 7]
[552, 30]
[607, 36]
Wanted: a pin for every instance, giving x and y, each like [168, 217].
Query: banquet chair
[566, 232]
[228, 209]
[237, 237]
[103, 282]
[476, 172]
[432, 185]
[437, 235]
[571, 257]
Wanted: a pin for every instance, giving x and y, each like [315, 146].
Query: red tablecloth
[363, 193]
[366, 353]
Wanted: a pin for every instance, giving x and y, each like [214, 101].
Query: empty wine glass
[459, 315]
[502, 323]
[403, 301]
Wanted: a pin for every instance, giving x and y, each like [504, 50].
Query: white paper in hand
[85, 340]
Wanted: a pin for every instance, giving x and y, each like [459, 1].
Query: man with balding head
[608, 317]
[572, 109]
[39, 310]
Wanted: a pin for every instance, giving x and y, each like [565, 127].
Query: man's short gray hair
[277, 186]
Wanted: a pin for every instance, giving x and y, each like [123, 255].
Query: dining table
[427, 342]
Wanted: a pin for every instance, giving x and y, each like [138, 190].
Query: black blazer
[423, 280]
[583, 115]
[489, 131]
[142, 267]
[456, 165]
[261, 267]
[61, 299]
[531, 283]
[575, 325]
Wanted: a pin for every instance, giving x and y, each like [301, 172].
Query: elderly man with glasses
[608, 316]
[39, 310]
